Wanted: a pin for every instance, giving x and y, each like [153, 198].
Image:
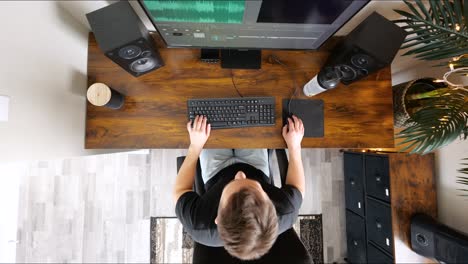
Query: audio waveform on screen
[200, 11]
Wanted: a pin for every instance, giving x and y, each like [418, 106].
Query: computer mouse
[287, 115]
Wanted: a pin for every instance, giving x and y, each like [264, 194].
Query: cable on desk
[293, 77]
[234, 84]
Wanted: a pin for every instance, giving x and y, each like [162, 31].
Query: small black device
[241, 59]
[209, 55]
[435, 240]
[371, 46]
[234, 112]
[124, 38]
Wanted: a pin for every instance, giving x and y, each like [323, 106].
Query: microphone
[328, 78]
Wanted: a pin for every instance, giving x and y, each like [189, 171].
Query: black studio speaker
[124, 38]
[371, 46]
[434, 240]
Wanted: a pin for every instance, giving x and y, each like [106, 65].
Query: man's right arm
[199, 134]
[293, 133]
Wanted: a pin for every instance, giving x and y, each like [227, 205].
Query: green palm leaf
[432, 32]
[457, 64]
[462, 179]
[442, 120]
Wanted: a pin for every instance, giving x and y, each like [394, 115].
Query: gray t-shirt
[197, 213]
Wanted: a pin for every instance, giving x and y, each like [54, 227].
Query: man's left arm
[199, 133]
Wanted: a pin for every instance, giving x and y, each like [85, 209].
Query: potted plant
[432, 113]
[409, 98]
[435, 112]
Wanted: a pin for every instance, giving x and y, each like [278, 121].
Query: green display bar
[231, 12]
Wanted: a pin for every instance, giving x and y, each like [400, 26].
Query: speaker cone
[422, 240]
[130, 52]
[347, 72]
[361, 60]
[143, 65]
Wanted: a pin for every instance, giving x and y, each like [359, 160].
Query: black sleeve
[288, 202]
[293, 195]
[186, 208]
[190, 210]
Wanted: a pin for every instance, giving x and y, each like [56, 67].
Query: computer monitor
[249, 24]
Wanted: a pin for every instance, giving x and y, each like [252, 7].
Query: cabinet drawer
[354, 182]
[377, 177]
[375, 255]
[379, 224]
[356, 237]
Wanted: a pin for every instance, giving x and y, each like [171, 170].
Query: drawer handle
[352, 181]
[355, 243]
[378, 177]
[378, 224]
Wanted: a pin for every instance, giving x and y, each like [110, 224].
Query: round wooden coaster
[99, 94]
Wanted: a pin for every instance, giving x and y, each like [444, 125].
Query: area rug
[171, 244]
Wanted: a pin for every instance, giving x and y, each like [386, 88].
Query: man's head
[246, 221]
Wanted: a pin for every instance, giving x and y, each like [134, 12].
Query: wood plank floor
[97, 208]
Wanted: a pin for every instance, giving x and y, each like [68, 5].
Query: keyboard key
[218, 124]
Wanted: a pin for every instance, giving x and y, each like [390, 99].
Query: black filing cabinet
[354, 181]
[368, 210]
[379, 224]
[377, 177]
[356, 237]
[374, 255]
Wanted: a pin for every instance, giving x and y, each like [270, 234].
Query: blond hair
[248, 224]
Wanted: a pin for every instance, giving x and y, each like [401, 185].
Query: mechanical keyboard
[234, 112]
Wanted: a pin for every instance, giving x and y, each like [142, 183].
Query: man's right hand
[199, 132]
[293, 132]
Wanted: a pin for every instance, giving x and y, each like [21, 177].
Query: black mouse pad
[311, 113]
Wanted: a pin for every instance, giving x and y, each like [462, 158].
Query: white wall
[453, 208]
[43, 69]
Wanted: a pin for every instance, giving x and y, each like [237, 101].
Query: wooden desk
[154, 115]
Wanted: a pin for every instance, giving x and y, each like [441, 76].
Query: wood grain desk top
[154, 114]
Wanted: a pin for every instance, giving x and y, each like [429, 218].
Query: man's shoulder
[196, 215]
[195, 211]
[287, 199]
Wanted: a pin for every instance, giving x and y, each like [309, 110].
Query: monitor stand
[241, 59]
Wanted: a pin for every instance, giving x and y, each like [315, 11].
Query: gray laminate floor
[98, 208]
[89, 209]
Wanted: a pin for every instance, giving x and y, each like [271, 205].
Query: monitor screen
[256, 24]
